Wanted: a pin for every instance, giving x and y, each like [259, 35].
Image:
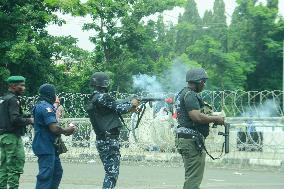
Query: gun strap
[201, 138]
[140, 115]
[213, 158]
[122, 120]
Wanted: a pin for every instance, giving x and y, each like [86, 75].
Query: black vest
[5, 124]
[102, 118]
[183, 117]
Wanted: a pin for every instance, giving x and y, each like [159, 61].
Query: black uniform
[104, 113]
[12, 119]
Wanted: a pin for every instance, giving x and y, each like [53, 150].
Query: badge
[49, 110]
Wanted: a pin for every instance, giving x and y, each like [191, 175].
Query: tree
[253, 35]
[189, 27]
[123, 40]
[221, 67]
[25, 46]
[219, 25]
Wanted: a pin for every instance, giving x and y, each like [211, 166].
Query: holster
[199, 144]
[60, 146]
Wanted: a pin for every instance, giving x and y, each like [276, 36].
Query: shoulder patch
[49, 109]
[1, 101]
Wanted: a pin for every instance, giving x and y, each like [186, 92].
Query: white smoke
[172, 81]
[268, 108]
[175, 76]
[147, 83]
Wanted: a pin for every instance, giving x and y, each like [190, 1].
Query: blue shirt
[44, 115]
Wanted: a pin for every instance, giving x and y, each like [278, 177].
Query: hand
[69, 130]
[135, 102]
[135, 109]
[31, 120]
[219, 120]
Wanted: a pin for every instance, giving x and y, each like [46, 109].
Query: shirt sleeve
[49, 115]
[191, 102]
[14, 113]
[108, 102]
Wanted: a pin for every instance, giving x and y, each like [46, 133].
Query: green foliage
[124, 41]
[247, 54]
[257, 34]
[226, 70]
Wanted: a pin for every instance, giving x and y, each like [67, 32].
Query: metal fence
[255, 139]
[234, 103]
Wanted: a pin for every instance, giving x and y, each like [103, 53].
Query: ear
[12, 85]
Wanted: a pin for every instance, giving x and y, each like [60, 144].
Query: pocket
[10, 139]
[45, 173]
[187, 147]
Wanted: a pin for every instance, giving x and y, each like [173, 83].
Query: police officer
[104, 113]
[193, 127]
[46, 131]
[12, 127]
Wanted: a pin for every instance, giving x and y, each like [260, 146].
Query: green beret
[16, 79]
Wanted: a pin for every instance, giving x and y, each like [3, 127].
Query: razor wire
[251, 141]
[234, 103]
[253, 138]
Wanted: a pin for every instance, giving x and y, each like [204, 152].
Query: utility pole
[283, 81]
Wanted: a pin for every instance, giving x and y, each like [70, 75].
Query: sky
[74, 25]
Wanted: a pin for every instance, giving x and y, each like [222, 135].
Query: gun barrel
[150, 99]
[227, 138]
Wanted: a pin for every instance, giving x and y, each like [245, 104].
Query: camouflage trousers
[12, 160]
[110, 156]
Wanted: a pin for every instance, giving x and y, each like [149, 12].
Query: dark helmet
[99, 79]
[48, 91]
[196, 74]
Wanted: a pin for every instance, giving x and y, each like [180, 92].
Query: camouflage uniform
[104, 113]
[110, 155]
[12, 127]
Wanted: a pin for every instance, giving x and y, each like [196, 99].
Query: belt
[104, 137]
[186, 136]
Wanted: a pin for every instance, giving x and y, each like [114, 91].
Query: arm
[193, 108]
[108, 102]
[14, 113]
[58, 130]
[197, 116]
[49, 118]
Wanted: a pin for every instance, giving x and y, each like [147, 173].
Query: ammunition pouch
[60, 146]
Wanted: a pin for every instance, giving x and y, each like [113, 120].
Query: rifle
[226, 134]
[142, 107]
[149, 99]
[209, 111]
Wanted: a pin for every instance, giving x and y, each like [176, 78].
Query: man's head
[48, 92]
[17, 84]
[196, 79]
[99, 80]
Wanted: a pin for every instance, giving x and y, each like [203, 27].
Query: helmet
[99, 79]
[196, 74]
[47, 90]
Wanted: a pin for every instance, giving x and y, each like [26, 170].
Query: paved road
[90, 176]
